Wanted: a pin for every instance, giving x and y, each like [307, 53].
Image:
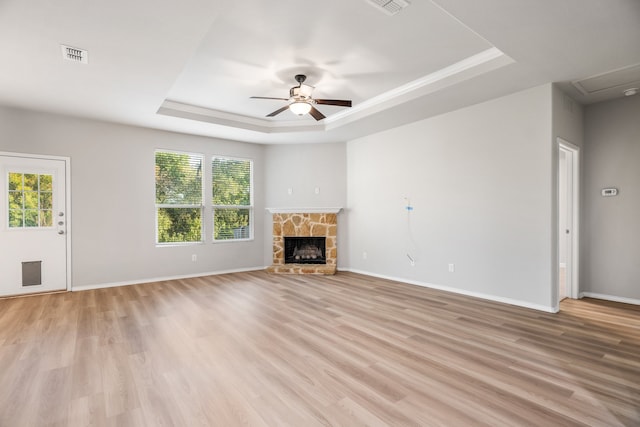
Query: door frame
[67, 207]
[573, 221]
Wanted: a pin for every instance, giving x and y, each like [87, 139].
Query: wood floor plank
[253, 349]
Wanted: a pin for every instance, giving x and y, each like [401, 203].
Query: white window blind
[179, 201]
[232, 190]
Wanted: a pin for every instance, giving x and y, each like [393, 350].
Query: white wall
[303, 168]
[480, 181]
[113, 190]
[610, 246]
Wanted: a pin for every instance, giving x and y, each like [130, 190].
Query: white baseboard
[160, 279]
[610, 298]
[488, 297]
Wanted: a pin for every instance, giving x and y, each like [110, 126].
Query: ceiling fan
[301, 102]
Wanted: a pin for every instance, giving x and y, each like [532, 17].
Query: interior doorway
[568, 203]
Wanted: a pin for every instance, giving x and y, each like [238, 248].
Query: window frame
[249, 207]
[201, 206]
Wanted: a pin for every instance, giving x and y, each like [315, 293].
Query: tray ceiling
[192, 66]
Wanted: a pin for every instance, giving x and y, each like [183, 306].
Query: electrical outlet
[317, 190]
[289, 191]
[364, 255]
[452, 268]
[194, 257]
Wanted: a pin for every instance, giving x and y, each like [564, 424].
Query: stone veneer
[304, 225]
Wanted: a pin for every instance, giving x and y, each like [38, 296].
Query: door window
[30, 200]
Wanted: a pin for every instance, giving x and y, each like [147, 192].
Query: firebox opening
[305, 250]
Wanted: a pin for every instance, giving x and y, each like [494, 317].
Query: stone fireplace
[304, 241]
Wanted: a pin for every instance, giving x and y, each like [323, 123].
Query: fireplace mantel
[303, 210]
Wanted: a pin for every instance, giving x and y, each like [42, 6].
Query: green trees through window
[30, 200]
[232, 198]
[179, 198]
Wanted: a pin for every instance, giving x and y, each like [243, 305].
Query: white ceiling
[191, 66]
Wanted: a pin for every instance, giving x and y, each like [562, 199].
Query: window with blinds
[232, 190]
[179, 197]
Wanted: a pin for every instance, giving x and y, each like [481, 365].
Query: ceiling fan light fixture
[300, 108]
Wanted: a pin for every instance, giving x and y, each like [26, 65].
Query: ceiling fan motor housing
[302, 92]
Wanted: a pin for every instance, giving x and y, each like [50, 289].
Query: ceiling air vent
[627, 76]
[74, 54]
[389, 7]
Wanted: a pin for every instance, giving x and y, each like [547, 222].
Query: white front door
[33, 225]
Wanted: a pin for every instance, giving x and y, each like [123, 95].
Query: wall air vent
[390, 7]
[74, 54]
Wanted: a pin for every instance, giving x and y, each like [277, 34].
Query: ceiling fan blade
[338, 102]
[268, 97]
[316, 114]
[278, 111]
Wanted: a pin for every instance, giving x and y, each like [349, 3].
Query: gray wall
[568, 118]
[480, 182]
[112, 186]
[303, 168]
[610, 246]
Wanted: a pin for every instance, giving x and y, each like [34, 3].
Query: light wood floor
[349, 350]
